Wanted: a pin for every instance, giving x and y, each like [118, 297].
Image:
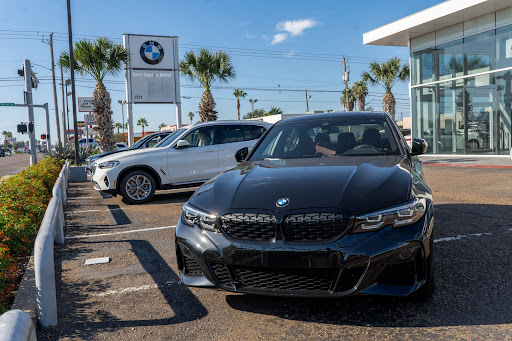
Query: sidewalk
[484, 161]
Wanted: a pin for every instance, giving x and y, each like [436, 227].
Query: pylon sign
[152, 69]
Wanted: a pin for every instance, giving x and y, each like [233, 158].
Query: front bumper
[104, 180]
[386, 262]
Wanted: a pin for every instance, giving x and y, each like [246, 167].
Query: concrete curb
[16, 325]
[25, 299]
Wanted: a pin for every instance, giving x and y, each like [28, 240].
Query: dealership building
[461, 74]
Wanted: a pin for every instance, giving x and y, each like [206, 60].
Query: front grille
[401, 273]
[313, 226]
[249, 226]
[222, 273]
[285, 279]
[349, 278]
[192, 267]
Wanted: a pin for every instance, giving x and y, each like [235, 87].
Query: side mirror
[419, 146]
[241, 154]
[182, 144]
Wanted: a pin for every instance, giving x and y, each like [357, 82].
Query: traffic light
[43, 136]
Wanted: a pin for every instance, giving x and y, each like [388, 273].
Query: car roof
[240, 122]
[344, 114]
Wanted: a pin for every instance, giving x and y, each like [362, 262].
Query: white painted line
[81, 198]
[99, 260]
[449, 239]
[122, 232]
[133, 289]
[87, 211]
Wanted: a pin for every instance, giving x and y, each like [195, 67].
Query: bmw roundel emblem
[282, 202]
[152, 52]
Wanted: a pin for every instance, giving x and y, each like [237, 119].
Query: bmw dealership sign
[150, 52]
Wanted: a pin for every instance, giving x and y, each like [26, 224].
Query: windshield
[169, 139]
[336, 137]
[137, 144]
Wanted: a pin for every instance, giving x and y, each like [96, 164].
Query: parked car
[147, 141]
[295, 218]
[82, 143]
[187, 158]
[121, 145]
[2, 153]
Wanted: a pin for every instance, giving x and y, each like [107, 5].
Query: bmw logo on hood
[282, 202]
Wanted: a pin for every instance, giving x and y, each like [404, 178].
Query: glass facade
[461, 90]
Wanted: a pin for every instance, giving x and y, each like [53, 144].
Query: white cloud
[295, 27]
[280, 37]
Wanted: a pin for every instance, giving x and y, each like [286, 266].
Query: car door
[235, 137]
[198, 161]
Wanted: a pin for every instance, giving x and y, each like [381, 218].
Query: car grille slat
[284, 279]
[192, 267]
[222, 273]
[249, 226]
[313, 226]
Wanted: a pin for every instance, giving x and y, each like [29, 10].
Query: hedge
[23, 201]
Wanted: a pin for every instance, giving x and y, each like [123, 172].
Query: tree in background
[207, 67]
[387, 75]
[239, 93]
[118, 126]
[162, 125]
[143, 123]
[360, 91]
[98, 58]
[274, 111]
[255, 113]
[191, 116]
[351, 99]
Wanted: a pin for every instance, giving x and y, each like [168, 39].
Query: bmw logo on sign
[282, 202]
[152, 52]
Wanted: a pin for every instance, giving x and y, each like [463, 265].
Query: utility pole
[64, 137]
[346, 79]
[307, 103]
[59, 144]
[72, 72]
[30, 111]
[48, 139]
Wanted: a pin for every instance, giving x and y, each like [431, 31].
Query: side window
[253, 132]
[153, 142]
[201, 137]
[232, 133]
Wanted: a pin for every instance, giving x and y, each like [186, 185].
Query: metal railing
[14, 322]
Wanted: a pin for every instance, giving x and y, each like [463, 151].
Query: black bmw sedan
[324, 205]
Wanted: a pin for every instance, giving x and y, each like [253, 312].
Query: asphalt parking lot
[138, 294]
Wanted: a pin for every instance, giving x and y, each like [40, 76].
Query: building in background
[461, 74]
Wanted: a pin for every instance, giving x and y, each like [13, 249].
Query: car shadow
[472, 286]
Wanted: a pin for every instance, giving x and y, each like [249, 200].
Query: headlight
[108, 164]
[396, 216]
[194, 216]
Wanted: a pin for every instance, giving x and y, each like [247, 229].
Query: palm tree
[239, 93]
[142, 122]
[98, 59]
[252, 103]
[387, 75]
[274, 111]
[207, 67]
[7, 135]
[162, 125]
[360, 91]
[191, 116]
[351, 99]
[125, 127]
[118, 126]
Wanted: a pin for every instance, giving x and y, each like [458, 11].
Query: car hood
[100, 155]
[354, 184]
[130, 156]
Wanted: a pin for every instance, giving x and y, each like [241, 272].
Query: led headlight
[400, 215]
[108, 164]
[194, 216]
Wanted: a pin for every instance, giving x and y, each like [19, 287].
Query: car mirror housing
[182, 144]
[419, 146]
[241, 154]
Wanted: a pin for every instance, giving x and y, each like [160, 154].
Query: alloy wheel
[138, 187]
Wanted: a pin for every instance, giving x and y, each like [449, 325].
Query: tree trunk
[206, 107]
[238, 107]
[361, 101]
[388, 104]
[103, 117]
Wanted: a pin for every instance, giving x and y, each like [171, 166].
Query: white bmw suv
[186, 158]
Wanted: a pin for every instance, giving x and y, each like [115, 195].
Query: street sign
[89, 119]
[85, 104]
[80, 124]
[6, 104]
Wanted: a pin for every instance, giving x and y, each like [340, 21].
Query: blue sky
[288, 44]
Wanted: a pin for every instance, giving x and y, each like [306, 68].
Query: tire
[427, 290]
[473, 145]
[137, 187]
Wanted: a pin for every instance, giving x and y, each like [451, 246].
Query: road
[13, 164]
[138, 295]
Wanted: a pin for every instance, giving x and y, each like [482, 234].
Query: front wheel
[137, 187]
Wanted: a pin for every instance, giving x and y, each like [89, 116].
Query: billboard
[85, 104]
[153, 86]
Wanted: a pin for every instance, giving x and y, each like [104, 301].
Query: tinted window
[154, 141]
[201, 137]
[329, 138]
[253, 132]
[171, 137]
[232, 133]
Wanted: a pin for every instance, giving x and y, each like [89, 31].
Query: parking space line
[459, 237]
[122, 232]
[87, 211]
[133, 289]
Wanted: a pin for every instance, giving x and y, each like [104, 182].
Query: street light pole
[72, 72]
[122, 113]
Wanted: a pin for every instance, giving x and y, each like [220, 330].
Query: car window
[331, 137]
[253, 132]
[153, 142]
[232, 133]
[170, 138]
[201, 137]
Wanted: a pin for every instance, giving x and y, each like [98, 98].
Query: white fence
[13, 324]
